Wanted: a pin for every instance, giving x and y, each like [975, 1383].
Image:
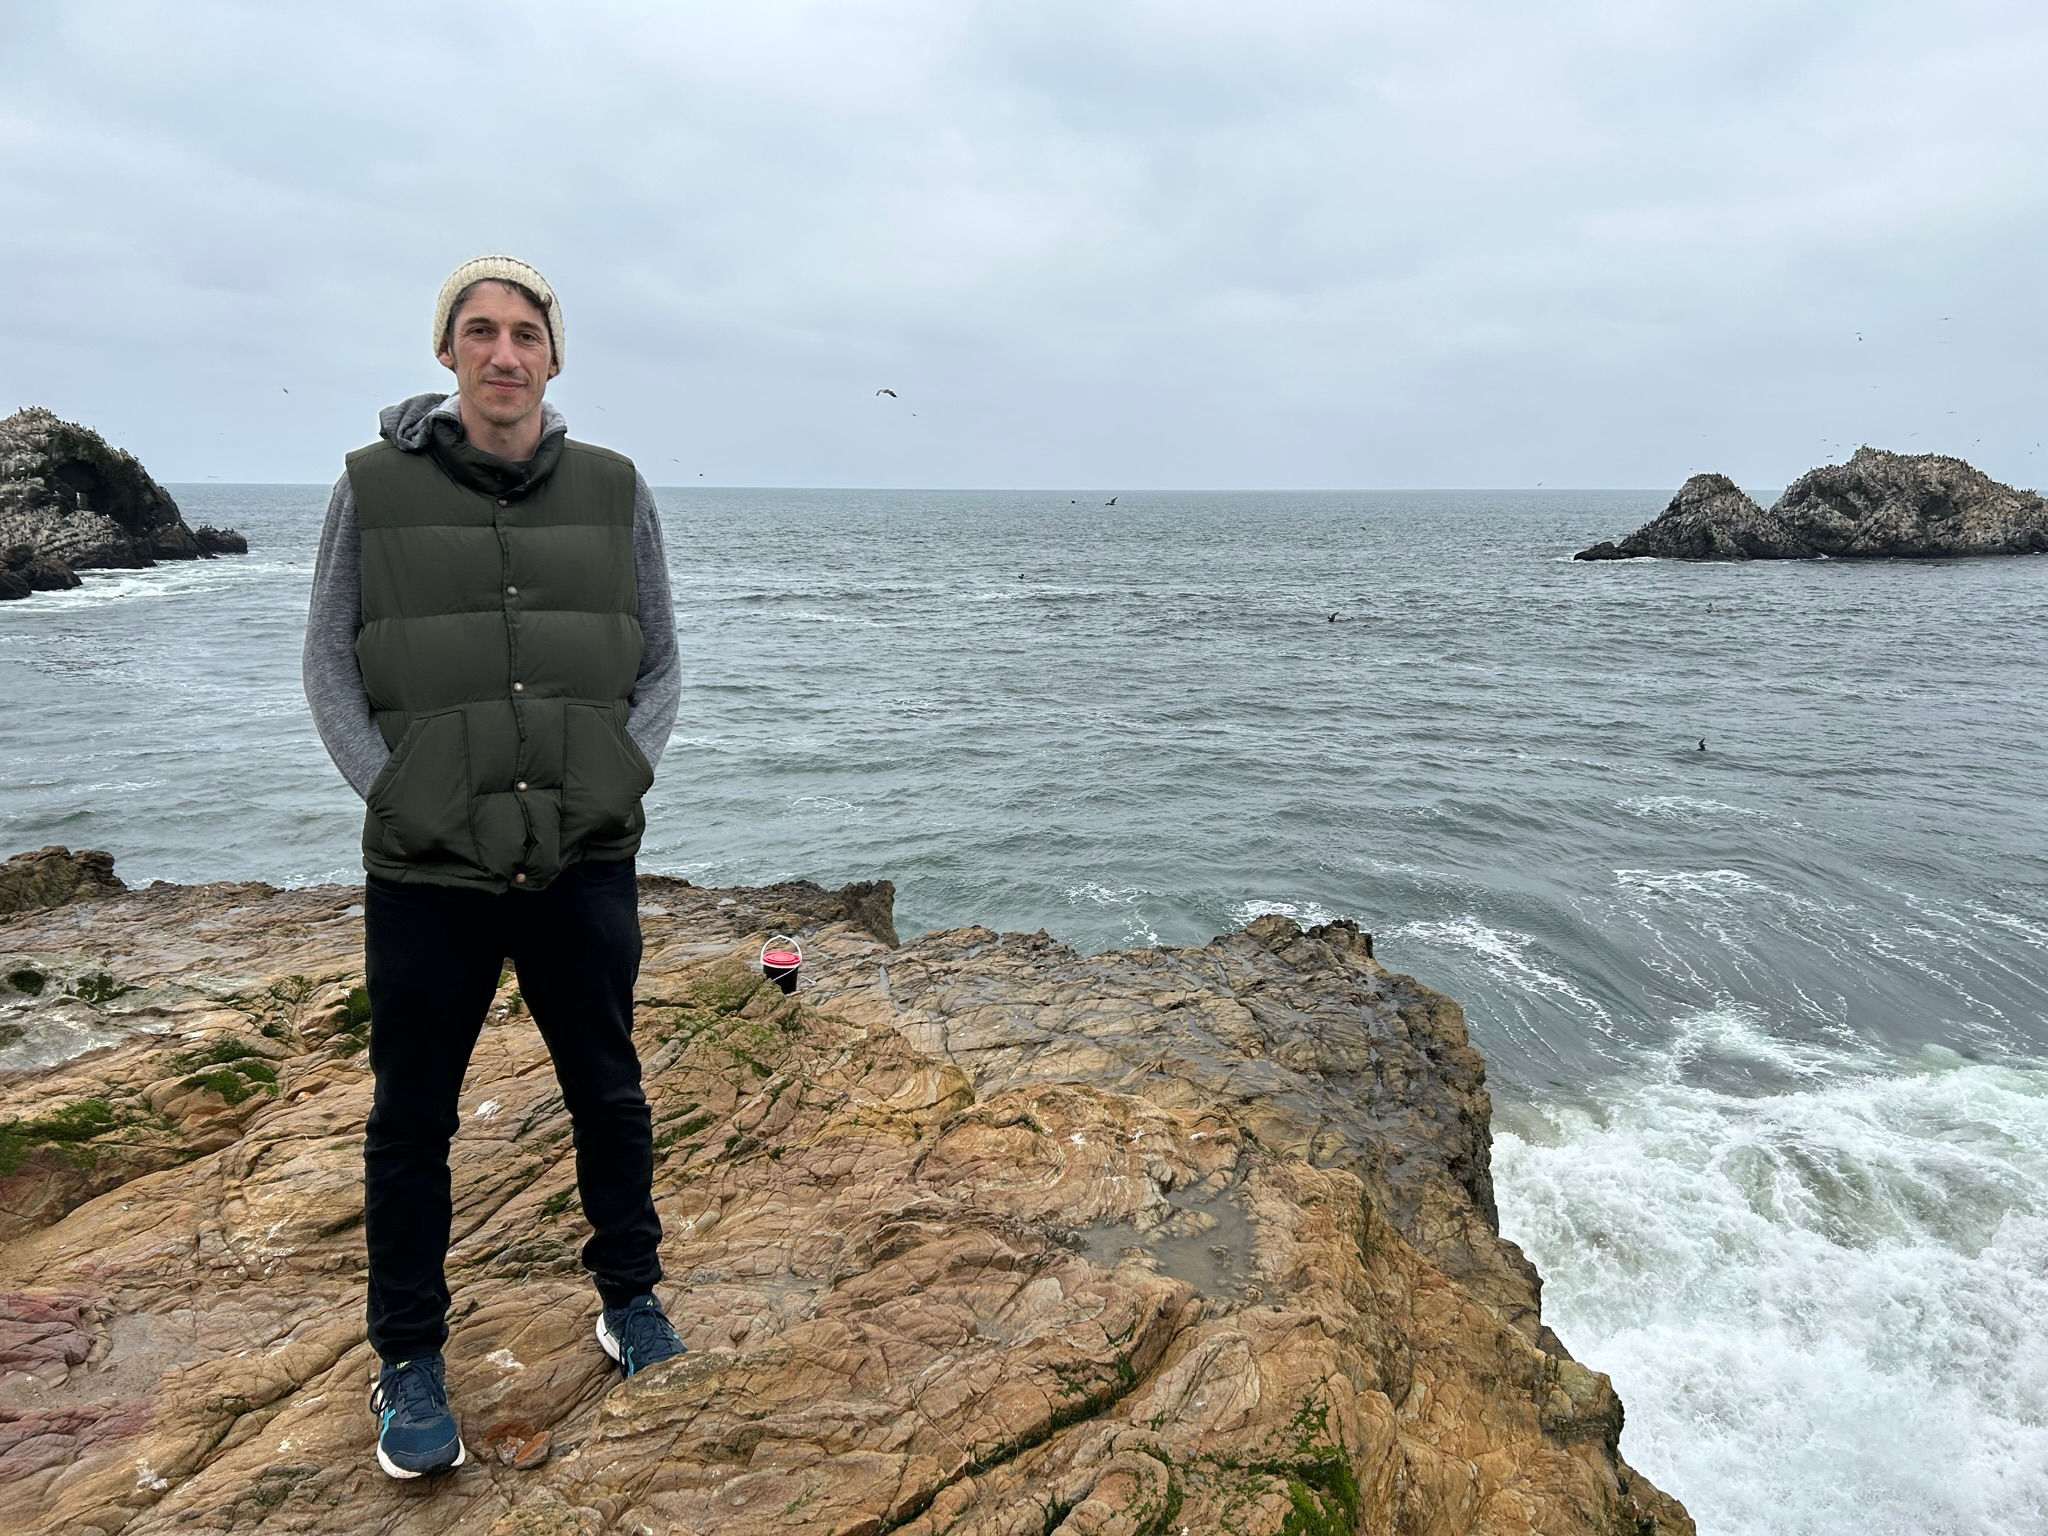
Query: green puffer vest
[499, 646]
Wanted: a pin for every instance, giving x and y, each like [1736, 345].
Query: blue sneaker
[416, 1434]
[637, 1334]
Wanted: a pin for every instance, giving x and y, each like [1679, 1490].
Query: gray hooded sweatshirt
[334, 681]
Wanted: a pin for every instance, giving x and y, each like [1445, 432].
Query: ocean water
[1764, 1022]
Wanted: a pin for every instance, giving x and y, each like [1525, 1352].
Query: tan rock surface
[972, 1236]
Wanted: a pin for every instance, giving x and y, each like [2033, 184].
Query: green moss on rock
[64, 1130]
[97, 987]
[725, 988]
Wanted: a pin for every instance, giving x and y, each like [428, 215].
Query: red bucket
[781, 958]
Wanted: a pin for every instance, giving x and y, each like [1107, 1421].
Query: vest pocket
[419, 804]
[603, 776]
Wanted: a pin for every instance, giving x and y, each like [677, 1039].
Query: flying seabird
[889, 392]
[1111, 502]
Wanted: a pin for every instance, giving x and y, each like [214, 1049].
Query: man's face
[500, 354]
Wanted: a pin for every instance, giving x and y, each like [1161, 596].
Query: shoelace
[642, 1329]
[416, 1390]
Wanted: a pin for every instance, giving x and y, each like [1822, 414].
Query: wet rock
[36, 571]
[219, 541]
[869, 905]
[968, 1235]
[53, 875]
[76, 503]
[1878, 505]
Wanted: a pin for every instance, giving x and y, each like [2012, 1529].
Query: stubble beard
[502, 410]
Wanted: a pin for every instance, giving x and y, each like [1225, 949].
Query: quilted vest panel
[499, 646]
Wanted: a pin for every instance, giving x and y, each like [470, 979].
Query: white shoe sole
[611, 1346]
[394, 1470]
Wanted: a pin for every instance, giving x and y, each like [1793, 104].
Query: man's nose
[504, 355]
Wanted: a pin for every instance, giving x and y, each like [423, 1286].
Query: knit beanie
[503, 269]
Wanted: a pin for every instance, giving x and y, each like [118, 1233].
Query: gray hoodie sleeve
[334, 680]
[659, 688]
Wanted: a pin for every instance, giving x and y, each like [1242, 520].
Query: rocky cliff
[70, 502]
[970, 1235]
[1877, 505]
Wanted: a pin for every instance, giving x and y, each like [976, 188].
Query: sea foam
[1823, 1307]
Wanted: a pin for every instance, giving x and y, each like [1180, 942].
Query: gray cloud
[1105, 244]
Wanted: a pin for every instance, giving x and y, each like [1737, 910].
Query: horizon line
[1142, 490]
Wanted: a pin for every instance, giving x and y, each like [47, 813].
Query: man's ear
[446, 358]
[553, 367]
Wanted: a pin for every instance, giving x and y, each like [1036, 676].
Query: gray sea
[1765, 1022]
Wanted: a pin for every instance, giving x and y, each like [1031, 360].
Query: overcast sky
[1098, 243]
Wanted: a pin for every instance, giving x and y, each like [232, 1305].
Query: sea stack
[1879, 505]
[70, 501]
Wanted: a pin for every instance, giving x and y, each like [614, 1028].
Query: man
[491, 662]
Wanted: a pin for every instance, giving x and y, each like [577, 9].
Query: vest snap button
[520, 785]
[519, 687]
[511, 591]
[519, 879]
[504, 502]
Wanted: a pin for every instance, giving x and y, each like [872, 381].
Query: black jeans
[434, 955]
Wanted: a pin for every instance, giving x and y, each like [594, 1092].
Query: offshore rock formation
[972, 1235]
[1878, 505]
[69, 502]
[1709, 519]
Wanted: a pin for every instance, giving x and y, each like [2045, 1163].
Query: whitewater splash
[1693, 811]
[1823, 1308]
[1125, 900]
[1308, 914]
[1510, 957]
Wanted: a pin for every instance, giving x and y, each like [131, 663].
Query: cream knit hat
[503, 269]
